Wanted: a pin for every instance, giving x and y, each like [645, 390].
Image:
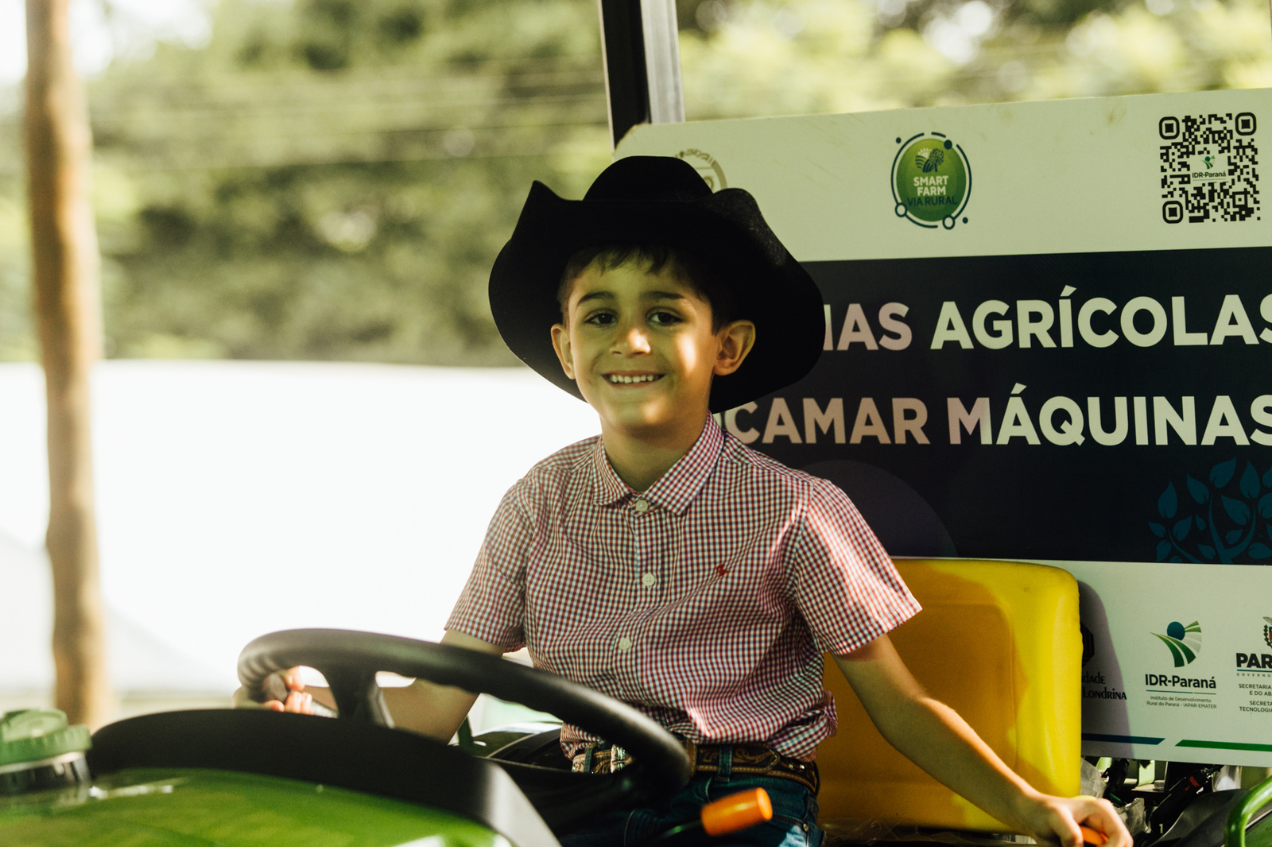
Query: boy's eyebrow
[596, 295]
[648, 295]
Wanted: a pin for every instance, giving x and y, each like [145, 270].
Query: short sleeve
[842, 580]
[492, 605]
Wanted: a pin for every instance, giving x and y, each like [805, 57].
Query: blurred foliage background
[331, 179]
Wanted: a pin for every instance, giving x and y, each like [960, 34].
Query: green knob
[30, 735]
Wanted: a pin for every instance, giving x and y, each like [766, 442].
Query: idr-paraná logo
[1184, 641]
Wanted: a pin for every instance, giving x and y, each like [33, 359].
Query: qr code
[1209, 168]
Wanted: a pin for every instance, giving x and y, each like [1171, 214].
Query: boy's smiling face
[643, 352]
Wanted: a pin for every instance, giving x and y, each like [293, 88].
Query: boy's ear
[736, 341]
[561, 344]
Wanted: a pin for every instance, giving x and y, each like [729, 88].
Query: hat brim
[724, 229]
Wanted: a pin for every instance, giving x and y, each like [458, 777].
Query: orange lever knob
[1092, 837]
[737, 811]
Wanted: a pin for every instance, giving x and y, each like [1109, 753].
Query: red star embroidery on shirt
[721, 570]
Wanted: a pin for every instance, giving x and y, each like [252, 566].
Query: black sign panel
[1099, 406]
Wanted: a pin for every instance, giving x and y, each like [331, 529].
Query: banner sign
[1046, 328]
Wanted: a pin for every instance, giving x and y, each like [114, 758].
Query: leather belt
[745, 759]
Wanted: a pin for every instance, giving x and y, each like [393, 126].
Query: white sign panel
[1048, 329]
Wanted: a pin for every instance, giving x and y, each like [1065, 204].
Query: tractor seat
[1000, 643]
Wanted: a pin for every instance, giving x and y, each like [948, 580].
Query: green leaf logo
[932, 159]
[1184, 642]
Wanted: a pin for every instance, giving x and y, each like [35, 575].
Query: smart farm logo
[931, 180]
[1184, 642]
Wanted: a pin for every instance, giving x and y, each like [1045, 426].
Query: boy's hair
[692, 271]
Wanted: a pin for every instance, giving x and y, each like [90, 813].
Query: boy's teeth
[629, 379]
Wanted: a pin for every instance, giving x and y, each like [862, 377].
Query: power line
[323, 87]
[237, 81]
[214, 140]
[143, 112]
[536, 63]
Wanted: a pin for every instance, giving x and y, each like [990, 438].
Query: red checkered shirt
[706, 601]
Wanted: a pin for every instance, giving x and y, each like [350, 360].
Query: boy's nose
[633, 339]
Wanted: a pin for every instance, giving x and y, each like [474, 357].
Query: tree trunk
[65, 262]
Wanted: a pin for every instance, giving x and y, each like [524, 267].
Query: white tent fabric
[138, 661]
[237, 498]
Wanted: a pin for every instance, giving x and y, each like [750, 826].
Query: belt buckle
[617, 755]
[582, 761]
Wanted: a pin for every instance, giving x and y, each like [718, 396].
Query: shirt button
[641, 505]
[648, 579]
[624, 644]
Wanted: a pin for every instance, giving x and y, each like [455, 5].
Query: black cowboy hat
[661, 201]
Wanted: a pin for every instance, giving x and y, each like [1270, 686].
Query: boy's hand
[286, 692]
[1056, 821]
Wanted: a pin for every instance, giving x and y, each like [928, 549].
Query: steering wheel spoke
[357, 695]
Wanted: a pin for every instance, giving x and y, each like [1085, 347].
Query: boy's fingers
[279, 684]
[1093, 837]
[1063, 818]
[1072, 834]
[1100, 816]
[294, 682]
[279, 695]
[300, 703]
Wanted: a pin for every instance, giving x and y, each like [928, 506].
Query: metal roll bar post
[641, 51]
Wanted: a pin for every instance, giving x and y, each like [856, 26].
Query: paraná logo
[1184, 642]
[931, 180]
[1267, 632]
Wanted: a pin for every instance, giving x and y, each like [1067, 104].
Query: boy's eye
[599, 318]
[664, 318]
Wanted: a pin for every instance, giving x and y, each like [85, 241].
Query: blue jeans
[794, 822]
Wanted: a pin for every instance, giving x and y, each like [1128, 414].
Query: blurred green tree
[331, 179]
[768, 57]
[328, 179]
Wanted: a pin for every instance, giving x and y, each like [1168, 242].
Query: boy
[665, 563]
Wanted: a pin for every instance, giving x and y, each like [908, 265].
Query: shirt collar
[675, 489]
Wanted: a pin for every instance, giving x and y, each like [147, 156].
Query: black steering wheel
[349, 660]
